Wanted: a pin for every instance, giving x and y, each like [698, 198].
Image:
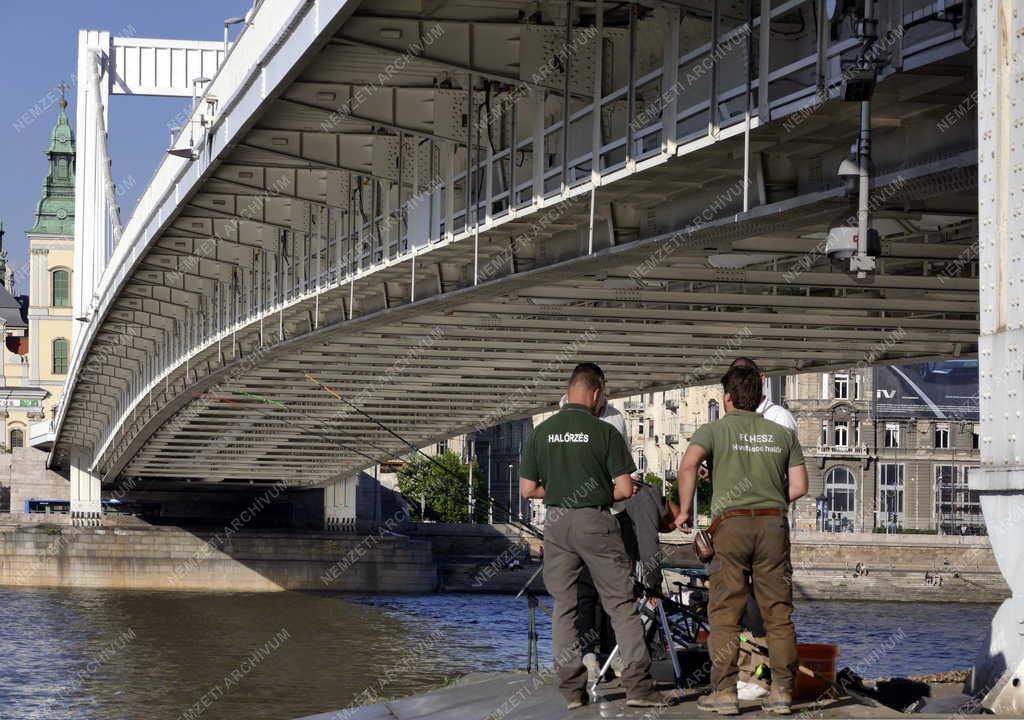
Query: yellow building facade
[37, 345]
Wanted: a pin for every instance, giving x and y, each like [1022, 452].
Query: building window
[856, 433]
[957, 507]
[974, 441]
[890, 495]
[60, 356]
[712, 410]
[641, 463]
[61, 288]
[856, 387]
[650, 427]
[942, 437]
[17, 438]
[840, 433]
[640, 428]
[892, 435]
[841, 387]
[442, 447]
[841, 491]
[823, 440]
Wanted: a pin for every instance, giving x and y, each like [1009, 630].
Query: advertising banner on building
[18, 403]
[945, 390]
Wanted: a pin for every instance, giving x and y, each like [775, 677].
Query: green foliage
[655, 480]
[445, 495]
[703, 494]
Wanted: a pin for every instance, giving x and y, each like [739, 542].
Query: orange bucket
[821, 658]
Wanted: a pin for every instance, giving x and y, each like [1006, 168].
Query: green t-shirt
[748, 457]
[575, 456]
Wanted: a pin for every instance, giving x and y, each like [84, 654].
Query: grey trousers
[588, 536]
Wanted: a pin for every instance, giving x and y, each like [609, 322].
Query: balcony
[634, 406]
[841, 450]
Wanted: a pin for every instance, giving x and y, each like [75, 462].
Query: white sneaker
[749, 691]
[593, 667]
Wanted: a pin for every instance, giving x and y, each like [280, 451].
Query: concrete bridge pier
[340, 504]
[86, 508]
[999, 672]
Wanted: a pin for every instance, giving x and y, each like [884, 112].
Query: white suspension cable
[109, 189]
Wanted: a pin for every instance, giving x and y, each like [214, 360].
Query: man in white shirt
[609, 414]
[767, 409]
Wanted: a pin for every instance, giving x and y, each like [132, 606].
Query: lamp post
[509, 509]
[471, 449]
[228, 23]
[821, 503]
[196, 82]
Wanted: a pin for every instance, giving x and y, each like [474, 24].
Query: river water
[125, 654]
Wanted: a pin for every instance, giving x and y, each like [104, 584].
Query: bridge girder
[418, 230]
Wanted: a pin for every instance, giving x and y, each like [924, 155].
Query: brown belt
[744, 512]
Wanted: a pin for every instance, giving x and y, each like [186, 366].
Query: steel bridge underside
[277, 317]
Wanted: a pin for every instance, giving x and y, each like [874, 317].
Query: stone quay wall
[166, 558]
[23, 471]
[899, 567]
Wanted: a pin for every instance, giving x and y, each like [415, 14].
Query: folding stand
[653, 617]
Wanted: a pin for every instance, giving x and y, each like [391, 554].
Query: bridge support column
[999, 672]
[340, 504]
[86, 508]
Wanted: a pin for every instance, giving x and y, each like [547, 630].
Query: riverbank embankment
[826, 566]
[170, 558]
[451, 558]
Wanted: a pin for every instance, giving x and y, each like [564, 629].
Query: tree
[703, 493]
[655, 480]
[442, 492]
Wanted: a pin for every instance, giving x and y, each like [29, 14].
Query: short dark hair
[744, 362]
[743, 383]
[588, 373]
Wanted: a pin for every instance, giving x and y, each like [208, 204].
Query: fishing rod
[508, 513]
[304, 426]
[316, 432]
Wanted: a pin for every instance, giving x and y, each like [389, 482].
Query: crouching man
[757, 469]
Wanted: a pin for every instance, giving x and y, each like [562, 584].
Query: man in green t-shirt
[579, 465]
[757, 469]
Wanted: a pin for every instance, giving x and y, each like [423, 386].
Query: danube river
[164, 656]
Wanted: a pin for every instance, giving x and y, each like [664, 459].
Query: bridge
[421, 215]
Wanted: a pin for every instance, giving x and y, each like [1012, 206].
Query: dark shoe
[723, 703]
[650, 698]
[778, 703]
[578, 702]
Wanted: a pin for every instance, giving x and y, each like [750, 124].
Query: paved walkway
[517, 696]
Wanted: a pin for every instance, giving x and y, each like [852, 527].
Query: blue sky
[39, 50]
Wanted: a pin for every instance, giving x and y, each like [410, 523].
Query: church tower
[55, 213]
[51, 261]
